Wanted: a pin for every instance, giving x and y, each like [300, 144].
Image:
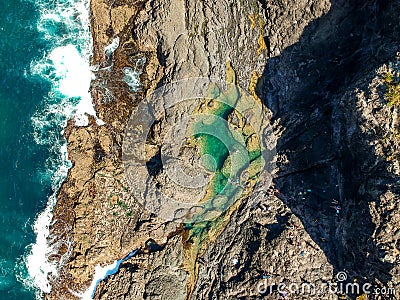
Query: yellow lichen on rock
[261, 44]
[253, 18]
[260, 41]
[230, 73]
[362, 297]
[255, 76]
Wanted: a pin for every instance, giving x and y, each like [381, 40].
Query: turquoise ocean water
[23, 189]
[45, 50]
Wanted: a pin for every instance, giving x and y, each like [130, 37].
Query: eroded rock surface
[317, 66]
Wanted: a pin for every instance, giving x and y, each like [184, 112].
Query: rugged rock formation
[318, 67]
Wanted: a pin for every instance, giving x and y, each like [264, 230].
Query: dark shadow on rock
[154, 165]
[99, 153]
[276, 229]
[328, 161]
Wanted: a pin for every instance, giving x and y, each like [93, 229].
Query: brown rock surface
[321, 67]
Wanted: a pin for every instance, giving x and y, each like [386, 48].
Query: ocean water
[45, 48]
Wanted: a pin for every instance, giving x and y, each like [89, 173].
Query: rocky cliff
[321, 70]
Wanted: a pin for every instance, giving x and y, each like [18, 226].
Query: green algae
[225, 132]
[231, 153]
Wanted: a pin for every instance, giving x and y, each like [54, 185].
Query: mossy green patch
[227, 150]
[224, 138]
[393, 89]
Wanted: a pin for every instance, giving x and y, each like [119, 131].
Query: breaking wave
[65, 26]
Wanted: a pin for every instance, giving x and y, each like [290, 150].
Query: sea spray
[66, 66]
[101, 273]
[132, 76]
[110, 49]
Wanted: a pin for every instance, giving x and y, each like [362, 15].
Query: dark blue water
[24, 187]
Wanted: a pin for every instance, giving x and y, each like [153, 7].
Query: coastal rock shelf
[318, 70]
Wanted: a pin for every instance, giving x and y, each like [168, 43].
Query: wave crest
[64, 25]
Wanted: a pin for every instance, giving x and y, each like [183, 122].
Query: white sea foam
[132, 76]
[71, 75]
[39, 268]
[65, 26]
[110, 49]
[72, 72]
[102, 273]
